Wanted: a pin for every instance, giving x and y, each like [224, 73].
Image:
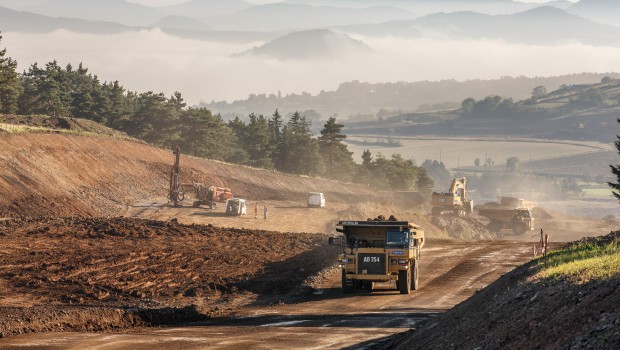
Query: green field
[597, 193]
[462, 152]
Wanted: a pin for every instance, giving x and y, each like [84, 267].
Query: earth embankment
[68, 175]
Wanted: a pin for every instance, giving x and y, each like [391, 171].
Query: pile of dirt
[520, 312]
[462, 227]
[144, 268]
[444, 226]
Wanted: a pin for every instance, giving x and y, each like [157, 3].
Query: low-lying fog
[151, 60]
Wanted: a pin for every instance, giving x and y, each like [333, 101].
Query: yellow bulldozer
[455, 200]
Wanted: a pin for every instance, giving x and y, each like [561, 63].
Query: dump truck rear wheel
[414, 278]
[495, 226]
[519, 228]
[404, 281]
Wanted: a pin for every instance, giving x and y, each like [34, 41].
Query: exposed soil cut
[142, 269]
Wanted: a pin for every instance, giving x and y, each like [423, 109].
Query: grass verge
[583, 261]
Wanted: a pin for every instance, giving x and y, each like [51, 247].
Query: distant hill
[20, 21]
[425, 7]
[542, 25]
[584, 112]
[311, 44]
[359, 100]
[207, 8]
[21, 4]
[282, 16]
[605, 11]
[119, 11]
[180, 22]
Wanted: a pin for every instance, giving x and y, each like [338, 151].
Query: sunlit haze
[205, 71]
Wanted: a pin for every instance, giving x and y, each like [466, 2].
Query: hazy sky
[173, 2]
[151, 60]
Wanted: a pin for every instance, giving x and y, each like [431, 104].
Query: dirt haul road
[451, 271]
[244, 282]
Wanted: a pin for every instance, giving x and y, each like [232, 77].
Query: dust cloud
[150, 60]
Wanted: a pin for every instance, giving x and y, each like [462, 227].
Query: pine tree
[46, 91]
[10, 88]
[258, 142]
[275, 137]
[206, 135]
[336, 156]
[298, 151]
[615, 169]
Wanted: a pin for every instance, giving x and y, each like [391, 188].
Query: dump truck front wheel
[346, 288]
[414, 278]
[404, 281]
[519, 228]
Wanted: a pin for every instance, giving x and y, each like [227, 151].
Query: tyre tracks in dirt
[451, 271]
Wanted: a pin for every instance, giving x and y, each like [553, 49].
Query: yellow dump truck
[519, 220]
[379, 251]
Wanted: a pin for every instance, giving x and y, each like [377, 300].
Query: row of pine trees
[266, 142]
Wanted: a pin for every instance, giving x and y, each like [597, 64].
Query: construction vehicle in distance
[455, 200]
[236, 207]
[510, 213]
[519, 220]
[379, 251]
[316, 200]
[175, 193]
[209, 195]
[204, 195]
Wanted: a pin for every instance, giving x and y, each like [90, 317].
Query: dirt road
[451, 271]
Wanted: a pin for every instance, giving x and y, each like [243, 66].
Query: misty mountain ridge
[281, 16]
[541, 25]
[206, 8]
[181, 22]
[119, 11]
[26, 22]
[310, 44]
[605, 11]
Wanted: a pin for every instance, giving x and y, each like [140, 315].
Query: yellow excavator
[455, 200]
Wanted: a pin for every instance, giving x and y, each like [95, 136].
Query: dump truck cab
[379, 251]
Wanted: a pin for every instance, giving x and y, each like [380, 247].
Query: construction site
[109, 242]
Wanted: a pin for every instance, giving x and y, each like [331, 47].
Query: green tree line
[269, 142]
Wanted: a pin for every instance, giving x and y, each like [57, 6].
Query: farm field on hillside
[460, 152]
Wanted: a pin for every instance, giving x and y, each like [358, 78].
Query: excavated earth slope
[519, 311]
[68, 175]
